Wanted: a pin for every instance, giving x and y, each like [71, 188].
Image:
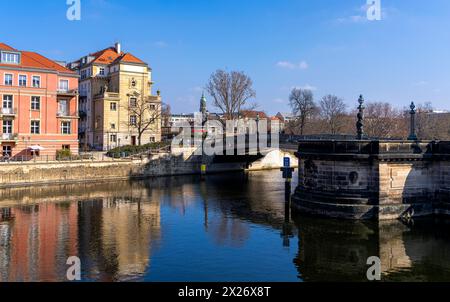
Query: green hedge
[129, 150]
[63, 154]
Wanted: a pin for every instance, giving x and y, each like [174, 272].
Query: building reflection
[35, 243]
[336, 250]
[111, 227]
[116, 228]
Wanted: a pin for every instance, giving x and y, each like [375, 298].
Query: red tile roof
[129, 58]
[105, 56]
[109, 55]
[31, 59]
[252, 114]
[3, 46]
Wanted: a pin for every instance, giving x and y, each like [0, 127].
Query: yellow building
[117, 106]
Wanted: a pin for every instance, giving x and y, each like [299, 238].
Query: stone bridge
[365, 179]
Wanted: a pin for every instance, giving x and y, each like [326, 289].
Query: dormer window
[10, 57]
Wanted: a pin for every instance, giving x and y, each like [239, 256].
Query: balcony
[109, 96]
[67, 114]
[9, 138]
[67, 92]
[8, 112]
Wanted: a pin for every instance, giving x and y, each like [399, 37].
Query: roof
[105, 56]
[129, 58]
[253, 114]
[3, 46]
[110, 55]
[31, 59]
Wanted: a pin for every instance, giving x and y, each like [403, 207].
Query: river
[230, 227]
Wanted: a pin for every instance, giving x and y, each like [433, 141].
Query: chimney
[118, 47]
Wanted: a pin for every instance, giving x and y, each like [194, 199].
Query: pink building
[39, 105]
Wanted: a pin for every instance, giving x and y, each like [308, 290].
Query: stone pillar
[412, 133]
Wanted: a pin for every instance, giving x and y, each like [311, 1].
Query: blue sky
[326, 45]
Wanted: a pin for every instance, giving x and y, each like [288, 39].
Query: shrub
[63, 154]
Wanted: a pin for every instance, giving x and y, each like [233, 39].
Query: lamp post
[257, 132]
[412, 133]
[360, 122]
[118, 139]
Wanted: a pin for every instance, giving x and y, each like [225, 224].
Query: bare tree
[303, 106]
[144, 114]
[332, 110]
[230, 91]
[383, 121]
[165, 114]
[425, 124]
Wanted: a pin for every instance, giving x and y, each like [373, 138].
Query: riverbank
[180, 162]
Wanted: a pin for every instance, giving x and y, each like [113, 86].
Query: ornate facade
[112, 85]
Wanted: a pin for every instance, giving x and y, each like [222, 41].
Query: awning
[36, 148]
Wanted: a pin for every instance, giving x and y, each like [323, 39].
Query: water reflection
[232, 227]
[331, 250]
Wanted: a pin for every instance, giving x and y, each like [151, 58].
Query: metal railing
[66, 113]
[9, 137]
[9, 111]
[82, 158]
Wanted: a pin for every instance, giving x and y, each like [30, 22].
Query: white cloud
[289, 65]
[305, 87]
[161, 44]
[421, 83]
[353, 19]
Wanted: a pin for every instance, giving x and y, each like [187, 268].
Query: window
[8, 79]
[113, 106]
[36, 81]
[102, 71]
[10, 58]
[63, 85]
[133, 120]
[152, 107]
[22, 80]
[152, 139]
[63, 108]
[7, 126]
[35, 127]
[133, 102]
[35, 103]
[65, 147]
[7, 151]
[133, 83]
[7, 102]
[83, 74]
[113, 138]
[113, 126]
[65, 127]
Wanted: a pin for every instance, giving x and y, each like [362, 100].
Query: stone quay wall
[179, 162]
[373, 179]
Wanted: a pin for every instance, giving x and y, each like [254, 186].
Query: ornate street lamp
[360, 122]
[412, 133]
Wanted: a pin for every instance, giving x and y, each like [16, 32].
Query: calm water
[232, 227]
